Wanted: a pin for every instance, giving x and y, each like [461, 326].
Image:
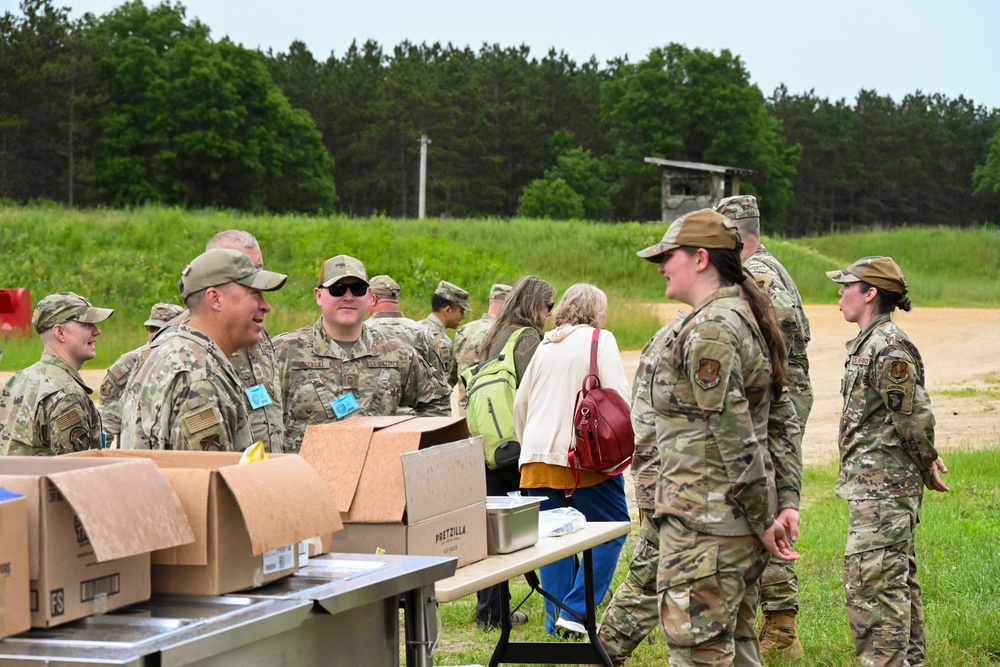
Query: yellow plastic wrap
[254, 453]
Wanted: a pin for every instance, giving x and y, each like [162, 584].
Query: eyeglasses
[340, 289]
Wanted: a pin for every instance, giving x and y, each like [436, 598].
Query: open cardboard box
[15, 608]
[248, 519]
[91, 527]
[406, 485]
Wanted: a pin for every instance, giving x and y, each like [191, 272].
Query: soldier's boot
[776, 633]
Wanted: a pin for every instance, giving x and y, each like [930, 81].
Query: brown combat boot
[776, 633]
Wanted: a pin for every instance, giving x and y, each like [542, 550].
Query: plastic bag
[560, 521]
[254, 453]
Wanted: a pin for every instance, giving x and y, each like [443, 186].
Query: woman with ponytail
[887, 456]
[723, 425]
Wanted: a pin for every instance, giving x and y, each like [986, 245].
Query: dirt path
[959, 348]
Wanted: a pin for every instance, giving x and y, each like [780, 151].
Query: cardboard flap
[283, 501]
[191, 486]
[337, 452]
[443, 429]
[380, 497]
[443, 478]
[127, 507]
[30, 488]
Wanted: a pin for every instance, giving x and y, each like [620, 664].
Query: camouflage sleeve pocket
[709, 365]
[879, 534]
[204, 430]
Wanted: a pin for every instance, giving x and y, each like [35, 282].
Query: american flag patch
[68, 419]
[201, 420]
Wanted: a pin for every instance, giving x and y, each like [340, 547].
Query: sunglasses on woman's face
[340, 289]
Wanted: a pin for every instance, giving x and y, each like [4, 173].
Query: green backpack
[490, 389]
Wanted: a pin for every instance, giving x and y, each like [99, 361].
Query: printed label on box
[282, 558]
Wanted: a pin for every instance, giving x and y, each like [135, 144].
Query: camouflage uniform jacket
[46, 410]
[887, 427]
[726, 445]
[393, 323]
[444, 350]
[255, 365]
[113, 390]
[468, 338]
[382, 373]
[186, 395]
[646, 458]
[777, 284]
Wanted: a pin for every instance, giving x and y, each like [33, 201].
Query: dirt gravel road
[959, 348]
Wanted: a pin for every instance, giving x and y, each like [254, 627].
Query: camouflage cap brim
[94, 315]
[842, 276]
[654, 253]
[265, 281]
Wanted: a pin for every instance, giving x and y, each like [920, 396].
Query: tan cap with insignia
[738, 207]
[699, 229]
[500, 291]
[882, 272]
[64, 307]
[453, 293]
[220, 266]
[161, 314]
[383, 285]
[341, 266]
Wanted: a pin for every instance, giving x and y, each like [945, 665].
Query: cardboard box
[91, 526]
[15, 608]
[407, 485]
[248, 519]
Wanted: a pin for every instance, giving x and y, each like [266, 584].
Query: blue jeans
[564, 579]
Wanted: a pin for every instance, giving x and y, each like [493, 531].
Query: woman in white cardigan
[543, 419]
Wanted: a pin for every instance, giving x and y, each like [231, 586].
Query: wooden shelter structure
[689, 186]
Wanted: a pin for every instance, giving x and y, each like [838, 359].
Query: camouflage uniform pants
[884, 606]
[708, 587]
[634, 610]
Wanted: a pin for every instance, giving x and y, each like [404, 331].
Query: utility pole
[422, 206]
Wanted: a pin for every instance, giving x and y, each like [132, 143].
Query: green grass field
[129, 260]
[957, 555]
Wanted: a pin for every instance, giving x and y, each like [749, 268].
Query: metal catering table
[341, 610]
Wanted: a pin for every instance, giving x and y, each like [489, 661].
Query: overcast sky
[837, 48]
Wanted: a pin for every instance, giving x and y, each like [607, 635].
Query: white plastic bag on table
[560, 521]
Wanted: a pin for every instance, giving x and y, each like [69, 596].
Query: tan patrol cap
[453, 293]
[341, 266]
[64, 307]
[704, 228]
[220, 266]
[738, 207]
[383, 285]
[500, 291]
[161, 314]
[882, 272]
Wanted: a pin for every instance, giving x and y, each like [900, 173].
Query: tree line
[142, 105]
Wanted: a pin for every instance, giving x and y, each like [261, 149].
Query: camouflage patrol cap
[341, 266]
[161, 314]
[453, 293]
[220, 266]
[63, 307]
[738, 207]
[500, 291]
[882, 272]
[383, 285]
[699, 229]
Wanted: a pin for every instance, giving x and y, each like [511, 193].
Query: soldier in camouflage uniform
[256, 365]
[887, 456]
[448, 305]
[339, 368]
[186, 394]
[469, 337]
[45, 409]
[385, 318]
[779, 585]
[634, 609]
[113, 387]
[725, 431]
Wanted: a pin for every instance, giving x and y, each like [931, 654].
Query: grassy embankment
[958, 562]
[129, 260]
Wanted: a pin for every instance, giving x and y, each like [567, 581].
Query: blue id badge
[344, 405]
[258, 397]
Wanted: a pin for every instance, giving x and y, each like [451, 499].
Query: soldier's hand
[933, 479]
[777, 544]
[790, 519]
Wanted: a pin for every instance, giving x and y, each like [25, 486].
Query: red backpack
[603, 439]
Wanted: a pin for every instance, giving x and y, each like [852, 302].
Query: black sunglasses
[340, 289]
